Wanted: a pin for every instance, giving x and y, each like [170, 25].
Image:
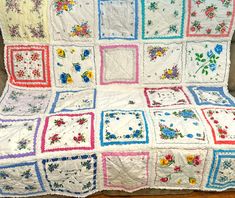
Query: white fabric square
[206, 62]
[118, 19]
[74, 66]
[125, 170]
[163, 63]
[119, 64]
[72, 20]
[179, 168]
[166, 96]
[172, 126]
[67, 101]
[163, 19]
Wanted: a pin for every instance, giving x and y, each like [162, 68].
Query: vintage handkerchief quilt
[116, 95]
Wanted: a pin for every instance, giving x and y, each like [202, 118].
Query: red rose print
[81, 121]
[177, 169]
[80, 138]
[169, 157]
[164, 179]
[54, 138]
[20, 73]
[19, 57]
[222, 136]
[36, 73]
[35, 56]
[59, 122]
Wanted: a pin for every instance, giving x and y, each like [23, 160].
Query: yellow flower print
[179, 181]
[159, 54]
[163, 77]
[90, 74]
[60, 53]
[190, 158]
[164, 162]
[192, 181]
[65, 7]
[169, 71]
[78, 28]
[69, 80]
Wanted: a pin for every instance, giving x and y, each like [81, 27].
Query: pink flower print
[229, 13]
[198, 2]
[208, 31]
[194, 13]
[196, 26]
[210, 11]
[221, 28]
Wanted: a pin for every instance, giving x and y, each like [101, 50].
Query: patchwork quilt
[116, 94]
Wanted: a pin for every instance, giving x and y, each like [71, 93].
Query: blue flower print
[210, 53]
[63, 78]
[187, 113]
[86, 79]
[212, 67]
[77, 67]
[218, 48]
[86, 53]
[190, 135]
[169, 133]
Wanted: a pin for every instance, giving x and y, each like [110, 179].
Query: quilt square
[20, 179]
[28, 65]
[206, 62]
[119, 64]
[68, 101]
[179, 168]
[222, 123]
[20, 102]
[163, 63]
[211, 96]
[65, 132]
[24, 21]
[74, 66]
[18, 137]
[171, 126]
[120, 127]
[210, 18]
[74, 175]
[163, 19]
[222, 171]
[120, 170]
[130, 98]
[166, 96]
[72, 20]
[118, 19]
